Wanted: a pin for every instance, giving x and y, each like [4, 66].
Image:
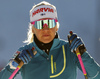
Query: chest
[58, 65]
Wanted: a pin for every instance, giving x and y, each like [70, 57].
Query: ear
[56, 29]
[33, 30]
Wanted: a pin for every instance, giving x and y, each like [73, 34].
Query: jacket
[61, 63]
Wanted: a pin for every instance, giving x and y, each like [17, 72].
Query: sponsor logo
[43, 14]
[42, 10]
[18, 52]
[34, 52]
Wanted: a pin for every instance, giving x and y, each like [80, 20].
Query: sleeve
[6, 72]
[91, 66]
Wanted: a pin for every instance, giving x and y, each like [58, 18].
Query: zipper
[52, 69]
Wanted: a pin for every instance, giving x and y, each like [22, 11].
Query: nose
[45, 26]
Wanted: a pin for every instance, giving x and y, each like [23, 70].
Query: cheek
[35, 31]
[54, 30]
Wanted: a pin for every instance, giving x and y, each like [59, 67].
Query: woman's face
[46, 34]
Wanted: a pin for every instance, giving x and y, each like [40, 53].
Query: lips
[46, 35]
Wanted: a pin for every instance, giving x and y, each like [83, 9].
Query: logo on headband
[42, 10]
[43, 14]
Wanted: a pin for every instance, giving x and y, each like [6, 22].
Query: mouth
[46, 35]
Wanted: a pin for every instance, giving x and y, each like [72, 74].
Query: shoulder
[25, 47]
[58, 43]
[64, 42]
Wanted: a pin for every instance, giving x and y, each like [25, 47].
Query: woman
[52, 57]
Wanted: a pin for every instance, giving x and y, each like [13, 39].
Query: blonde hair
[30, 34]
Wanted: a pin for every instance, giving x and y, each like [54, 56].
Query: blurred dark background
[81, 16]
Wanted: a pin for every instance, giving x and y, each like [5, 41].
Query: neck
[44, 46]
